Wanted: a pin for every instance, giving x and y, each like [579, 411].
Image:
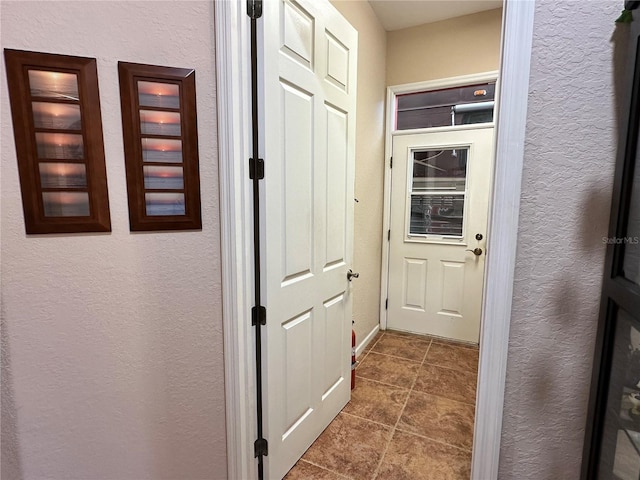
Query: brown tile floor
[410, 416]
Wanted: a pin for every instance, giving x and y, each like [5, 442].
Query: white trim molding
[517, 33]
[366, 340]
[233, 96]
[448, 82]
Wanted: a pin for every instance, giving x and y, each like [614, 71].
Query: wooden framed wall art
[55, 107]
[161, 147]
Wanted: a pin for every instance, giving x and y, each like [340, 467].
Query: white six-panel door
[439, 203]
[308, 79]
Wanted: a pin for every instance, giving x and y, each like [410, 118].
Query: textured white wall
[568, 172]
[369, 187]
[112, 343]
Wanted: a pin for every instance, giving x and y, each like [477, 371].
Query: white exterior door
[309, 61]
[439, 207]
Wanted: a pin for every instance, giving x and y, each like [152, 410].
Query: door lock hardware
[351, 274]
[479, 236]
[476, 251]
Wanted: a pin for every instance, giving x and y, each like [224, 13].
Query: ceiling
[397, 14]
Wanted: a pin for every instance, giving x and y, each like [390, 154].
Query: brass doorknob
[476, 251]
[351, 274]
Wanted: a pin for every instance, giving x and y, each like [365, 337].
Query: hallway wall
[369, 191]
[449, 48]
[112, 343]
[570, 150]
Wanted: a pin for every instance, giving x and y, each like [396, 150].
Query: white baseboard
[363, 344]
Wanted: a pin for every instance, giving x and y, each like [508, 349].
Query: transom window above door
[447, 107]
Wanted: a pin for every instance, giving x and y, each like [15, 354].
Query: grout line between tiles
[445, 398]
[413, 336]
[326, 469]
[435, 440]
[393, 430]
[382, 383]
[401, 358]
[397, 427]
[450, 368]
[367, 419]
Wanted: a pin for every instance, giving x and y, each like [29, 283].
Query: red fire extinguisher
[353, 359]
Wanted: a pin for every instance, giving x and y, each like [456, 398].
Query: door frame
[392, 94]
[233, 94]
[390, 136]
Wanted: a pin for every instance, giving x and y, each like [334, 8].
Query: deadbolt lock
[479, 236]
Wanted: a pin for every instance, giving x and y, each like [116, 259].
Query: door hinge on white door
[261, 447]
[258, 315]
[254, 8]
[386, 304]
[256, 169]
[388, 234]
[391, 162]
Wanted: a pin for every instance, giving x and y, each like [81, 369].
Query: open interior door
[308, 81]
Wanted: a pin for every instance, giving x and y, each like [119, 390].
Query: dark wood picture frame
[55, 107]
[161, 147]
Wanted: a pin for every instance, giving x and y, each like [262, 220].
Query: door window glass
[620, 452]
[631, 265]
[437, 192]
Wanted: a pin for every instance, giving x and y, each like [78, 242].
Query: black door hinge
[256, 169]
[261, 447]
[391, 162]
[386, 304]
[388, 234]
[254, 9]
[258, 314]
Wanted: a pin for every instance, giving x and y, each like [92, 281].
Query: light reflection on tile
[66, 204]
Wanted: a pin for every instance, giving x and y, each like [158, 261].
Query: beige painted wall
[112, 343]
[369, 163]
[459, 46]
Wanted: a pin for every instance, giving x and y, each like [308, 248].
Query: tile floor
[410, 416]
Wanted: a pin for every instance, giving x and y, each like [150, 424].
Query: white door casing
[308, 85]
[435, 281]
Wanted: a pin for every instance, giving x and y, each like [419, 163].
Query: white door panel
[440, 197]
[308, 80]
